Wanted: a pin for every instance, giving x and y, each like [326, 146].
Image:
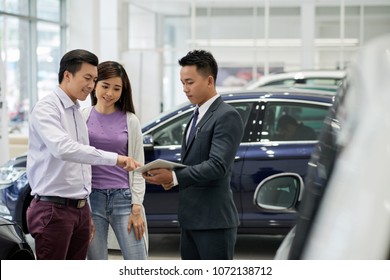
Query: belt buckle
[81, 203]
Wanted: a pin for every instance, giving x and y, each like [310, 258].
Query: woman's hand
[136, 221]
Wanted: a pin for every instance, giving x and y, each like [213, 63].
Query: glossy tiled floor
[248, 247]
[166, 247]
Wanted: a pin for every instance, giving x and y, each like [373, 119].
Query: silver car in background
[312, 79]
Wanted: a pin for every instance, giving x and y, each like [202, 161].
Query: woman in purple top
[117, 195]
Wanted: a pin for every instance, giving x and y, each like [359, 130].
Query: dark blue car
[263, 152]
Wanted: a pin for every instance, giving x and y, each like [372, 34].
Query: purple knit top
[109, 133]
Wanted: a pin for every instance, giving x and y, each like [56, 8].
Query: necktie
[194, 120]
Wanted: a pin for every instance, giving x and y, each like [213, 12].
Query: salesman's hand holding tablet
[159, 172]
[158, 163]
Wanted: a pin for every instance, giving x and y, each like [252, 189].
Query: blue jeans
[113, 207]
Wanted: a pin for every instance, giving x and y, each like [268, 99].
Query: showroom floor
[166, 247]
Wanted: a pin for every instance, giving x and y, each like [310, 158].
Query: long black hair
[112, 69]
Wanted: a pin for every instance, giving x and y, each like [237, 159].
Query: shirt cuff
[175, 182]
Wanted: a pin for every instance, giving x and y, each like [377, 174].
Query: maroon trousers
[60, 232]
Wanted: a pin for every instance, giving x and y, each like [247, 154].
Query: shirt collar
[65, 99]
[205, 106]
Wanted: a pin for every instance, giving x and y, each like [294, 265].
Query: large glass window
[376, 21]
[48, 57]
[20, 7]
[14, 44]
[30, 43]
[49, 10]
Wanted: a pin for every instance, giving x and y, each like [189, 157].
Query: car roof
[267, 93]
[331, 88]
[302, 74]
[297, 75]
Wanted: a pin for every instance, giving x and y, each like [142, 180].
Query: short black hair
[203, 60]
[72, 60]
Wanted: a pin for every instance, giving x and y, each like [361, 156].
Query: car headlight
[9, 175]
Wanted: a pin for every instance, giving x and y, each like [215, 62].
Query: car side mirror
[279, 192]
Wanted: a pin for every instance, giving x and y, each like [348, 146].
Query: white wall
[98, 26]
[143, 69]
[83, 19]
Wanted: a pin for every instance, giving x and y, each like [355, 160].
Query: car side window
[244, 109]
[171, 133]
[323, 81]
[285, 82]
[260, 122]
[293, 121]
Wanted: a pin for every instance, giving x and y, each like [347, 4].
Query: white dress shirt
[59, 157]
[202, 111]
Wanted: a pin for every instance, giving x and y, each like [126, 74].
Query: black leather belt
[77, 203]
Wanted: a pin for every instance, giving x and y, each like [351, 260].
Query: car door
[166, 134]
[267, 154]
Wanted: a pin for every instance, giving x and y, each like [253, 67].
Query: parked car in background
[344, 202]
[258, 156]
[261, 153]
[313, 79]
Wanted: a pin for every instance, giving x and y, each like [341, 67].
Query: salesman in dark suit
[207, 215]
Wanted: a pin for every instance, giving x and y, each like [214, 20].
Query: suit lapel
[185, 148]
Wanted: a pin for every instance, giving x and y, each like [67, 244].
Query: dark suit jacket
[205, 196]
